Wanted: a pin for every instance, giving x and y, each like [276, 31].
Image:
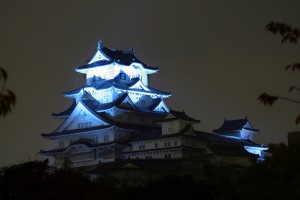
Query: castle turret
[115, 103]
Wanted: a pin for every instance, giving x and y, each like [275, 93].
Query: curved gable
[81, 117]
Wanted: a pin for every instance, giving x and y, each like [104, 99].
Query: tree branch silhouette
[7, 97]
[291, 35]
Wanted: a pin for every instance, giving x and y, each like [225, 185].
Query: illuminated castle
[117, 116]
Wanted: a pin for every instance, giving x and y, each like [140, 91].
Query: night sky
[215, 57]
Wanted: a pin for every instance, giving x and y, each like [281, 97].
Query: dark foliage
[277, 178]
[7, 97]
[293, 67]
[24, 181]
[287, 32]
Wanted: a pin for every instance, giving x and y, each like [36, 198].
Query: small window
[61, 144]
[156, 145]
[122, 76]
[106, 138]
[175, 142]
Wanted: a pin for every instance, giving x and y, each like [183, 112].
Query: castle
[118, 116]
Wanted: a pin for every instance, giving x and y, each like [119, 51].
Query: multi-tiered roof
[115, 99]
[117, 115]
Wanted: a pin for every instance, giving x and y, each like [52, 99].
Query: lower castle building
[118, 116]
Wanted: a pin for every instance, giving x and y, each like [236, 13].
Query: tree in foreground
[7, 97]
[291, 35]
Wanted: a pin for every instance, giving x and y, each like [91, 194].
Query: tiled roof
[105, 84]
[119, 56]
[74, 131]
[179, 115]
[229, 150]
[94, 64]
[155, 103]
[66, 112]
[86, 142]
[213, 137]
[156, 134]
[234, 125]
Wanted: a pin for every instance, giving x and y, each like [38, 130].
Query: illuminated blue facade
[115, 103]
[241, 129]
[117, 115]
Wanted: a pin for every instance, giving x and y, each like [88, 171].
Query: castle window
[123, 76]
[61, 144]
[106, 138]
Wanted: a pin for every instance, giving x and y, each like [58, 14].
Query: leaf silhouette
[294, 88]
[298, 120]
[288, 33]
[3, 74]
[267, 99]
[294, 66]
